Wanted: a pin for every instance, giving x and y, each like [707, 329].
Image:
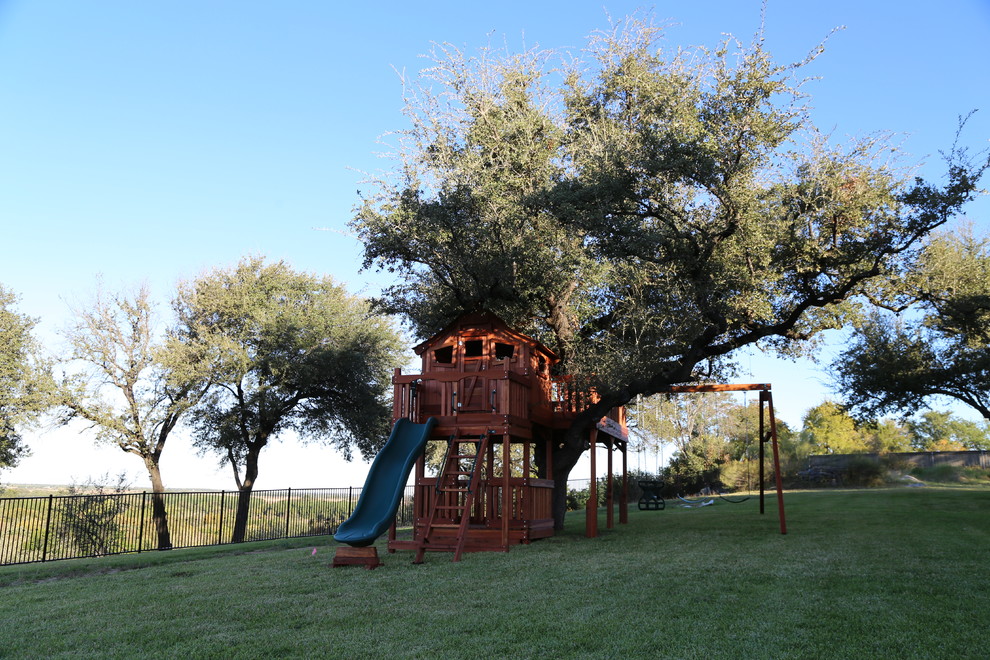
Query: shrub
[91, 516]
[943, 473]
[865, 471]
[975, 474]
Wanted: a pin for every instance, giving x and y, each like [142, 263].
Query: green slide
[386, 481]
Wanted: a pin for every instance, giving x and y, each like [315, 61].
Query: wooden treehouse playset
[496, 408]
[486, 397]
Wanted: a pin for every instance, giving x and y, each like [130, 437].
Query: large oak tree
[289, 351]
[131, 388]
[644, 212]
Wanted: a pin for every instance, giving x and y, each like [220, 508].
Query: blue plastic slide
[386, 481]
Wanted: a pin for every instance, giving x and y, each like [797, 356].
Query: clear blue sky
[147, 141]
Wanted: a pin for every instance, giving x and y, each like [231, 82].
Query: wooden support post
[609, 494]
[776, 458]
[506, 491]
[591, 508]
[526, 503]
[624, 502]
[348, 556]
[760, 457]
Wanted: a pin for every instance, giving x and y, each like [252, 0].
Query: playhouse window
[473, 348]
[504, 351]
[444, 355]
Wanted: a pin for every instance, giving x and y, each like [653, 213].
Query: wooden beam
[506, 492]
[609, 495]
[716, 387]
[624, 499]
[591, 507]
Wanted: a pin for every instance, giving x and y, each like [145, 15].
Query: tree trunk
[241, 516]
[244, 494]
[568, 448]
[158, 512]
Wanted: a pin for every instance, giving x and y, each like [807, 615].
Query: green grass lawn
[890, 573]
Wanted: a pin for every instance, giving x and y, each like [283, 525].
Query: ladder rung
[455, 490]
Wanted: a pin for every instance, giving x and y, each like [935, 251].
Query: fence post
[350, 500]
[48, 524]
[288, 509]
[141, 524]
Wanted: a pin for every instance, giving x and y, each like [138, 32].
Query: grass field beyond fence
[888, 573]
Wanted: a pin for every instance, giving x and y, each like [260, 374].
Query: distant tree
[25, 379]
[645, 213]
[898, 363]
[829, 429]
[942, 431]
[131, 389]
[887, 435]
[290, 351]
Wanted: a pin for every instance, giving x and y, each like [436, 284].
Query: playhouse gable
[480, 341]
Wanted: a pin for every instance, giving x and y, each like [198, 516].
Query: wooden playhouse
[498, 408]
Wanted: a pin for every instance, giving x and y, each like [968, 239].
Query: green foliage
[26, 384]
[864, 472]
[288, 351]
[938, 473]
[942, 431]
[829, 429]
[953, 474]
[887, 435]
[127, 387]
[900, 363]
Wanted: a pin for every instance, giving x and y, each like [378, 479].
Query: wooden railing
[493, 391]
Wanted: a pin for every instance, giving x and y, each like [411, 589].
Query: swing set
[653, 501]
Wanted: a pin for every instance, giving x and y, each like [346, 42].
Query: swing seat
[651, 500]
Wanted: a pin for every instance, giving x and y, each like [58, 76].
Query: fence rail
[37, 529]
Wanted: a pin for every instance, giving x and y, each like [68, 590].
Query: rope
[739, 501]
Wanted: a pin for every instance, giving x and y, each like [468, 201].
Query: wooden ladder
[462, 482]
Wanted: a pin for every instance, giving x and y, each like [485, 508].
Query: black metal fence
[36, 529]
